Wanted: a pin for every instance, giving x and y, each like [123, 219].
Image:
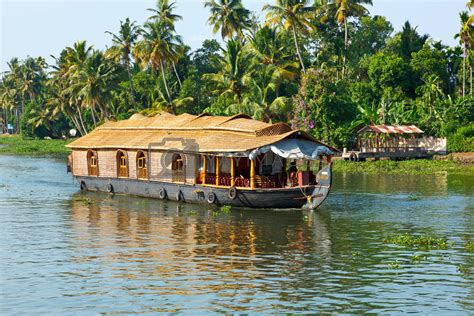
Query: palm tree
[264, 103]
[95, 82]
[233, 69]
[164, 14]
[69, 66]
[349, 8]
[431, 91]
[158, 47]
[466, 38]
[230, 16]
[345, 9]
[268, 49]
[294, 16]
[123, 45]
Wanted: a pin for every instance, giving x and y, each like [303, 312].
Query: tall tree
[466, 39]
[228, 16]
[157, 48]
[349, 8]
[164, 14]
[122, 47]
[233, 68]
[294, 16]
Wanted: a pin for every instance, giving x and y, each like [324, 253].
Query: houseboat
[395, 142]
[207, 159]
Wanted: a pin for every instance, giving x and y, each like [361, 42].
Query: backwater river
[66, 252]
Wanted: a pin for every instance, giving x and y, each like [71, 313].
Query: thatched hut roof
[201, 133]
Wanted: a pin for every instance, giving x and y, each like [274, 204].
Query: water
[63, 252]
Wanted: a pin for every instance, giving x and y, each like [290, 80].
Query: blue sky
[42, 28]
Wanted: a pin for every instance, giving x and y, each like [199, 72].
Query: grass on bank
[414, 167]
[18, 145]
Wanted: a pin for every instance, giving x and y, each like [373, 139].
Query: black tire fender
[353, 157]
[179, 195]
[110, 188]
[232, 193]
[162, 194]
[211, 198]
[83, 186]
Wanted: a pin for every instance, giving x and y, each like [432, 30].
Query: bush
[462, 140]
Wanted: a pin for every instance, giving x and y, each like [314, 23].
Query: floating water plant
[226, 209]
[84, 200]
[394, 265]
[418, 257]
[418, 241]
[470, 246]
[413, 197]
[463, 269]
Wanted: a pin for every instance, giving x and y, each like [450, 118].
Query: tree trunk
[345, 48]
[177, 76]
[464, 73]
[81, 120]
[298, 50]
[164, 81]
[471, 81]
[93, 116]
[132, 92]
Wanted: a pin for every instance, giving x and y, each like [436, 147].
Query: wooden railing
[392, 149]
[178, 176]
[123, 172]
[142, 173]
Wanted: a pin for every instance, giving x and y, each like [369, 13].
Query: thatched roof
[201, 133]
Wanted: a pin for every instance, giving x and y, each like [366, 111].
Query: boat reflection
[154, 238]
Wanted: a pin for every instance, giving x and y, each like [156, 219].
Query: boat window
[177, 168]
[142, 172]
[122, 164]
[92, 167]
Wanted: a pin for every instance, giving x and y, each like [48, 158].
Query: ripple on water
[130, 255]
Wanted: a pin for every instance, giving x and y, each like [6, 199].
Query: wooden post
[232, 171]
[252, 174]
[204, 167]
[217, 170]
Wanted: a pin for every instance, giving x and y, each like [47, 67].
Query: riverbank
[413, 167]
[17, 145]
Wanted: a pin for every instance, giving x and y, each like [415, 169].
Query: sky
[44, 27]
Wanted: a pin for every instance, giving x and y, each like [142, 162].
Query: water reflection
[285, 261]
[63, 252]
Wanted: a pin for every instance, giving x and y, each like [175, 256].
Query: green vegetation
[417, 241]
[226, 209]
[470, 246]
[323, 66]
[34, 147]
[413, 197]
[413, 167]
[85, 200]
[418, 257]
[462, 140]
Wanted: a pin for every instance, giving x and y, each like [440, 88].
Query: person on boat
[293, 173]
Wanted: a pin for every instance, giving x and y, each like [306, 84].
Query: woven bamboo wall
[79, 163]
[191, 168]
[107, 160]
[153, 165]
[159, 165]
[132, 164]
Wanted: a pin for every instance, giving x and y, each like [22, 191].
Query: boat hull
[194, 193]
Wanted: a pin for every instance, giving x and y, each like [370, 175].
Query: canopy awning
[293, 149]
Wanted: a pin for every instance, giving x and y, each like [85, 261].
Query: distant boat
[216, 160]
